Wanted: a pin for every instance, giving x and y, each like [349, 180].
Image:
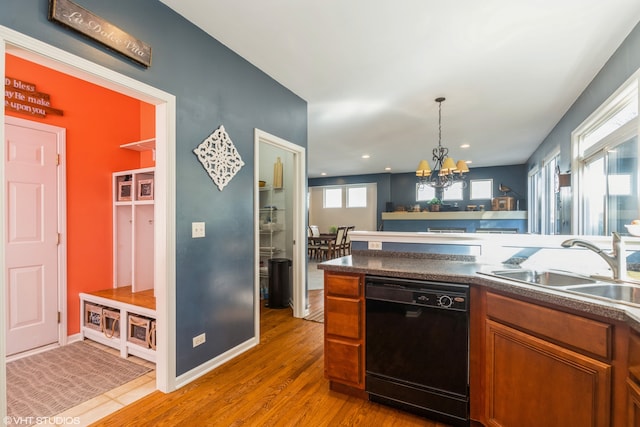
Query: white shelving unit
[119, 341]
[133, 229]
[133, 266]
[272, 222]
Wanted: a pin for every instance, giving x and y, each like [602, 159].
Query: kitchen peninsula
[537, 355]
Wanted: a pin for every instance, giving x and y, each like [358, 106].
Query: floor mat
[51, 382]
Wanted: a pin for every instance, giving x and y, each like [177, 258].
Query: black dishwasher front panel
[417, 346]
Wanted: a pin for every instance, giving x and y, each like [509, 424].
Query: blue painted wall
[622, 64]
[400, 189]
[213, 86]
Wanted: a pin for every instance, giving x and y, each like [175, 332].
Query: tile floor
[100, 406]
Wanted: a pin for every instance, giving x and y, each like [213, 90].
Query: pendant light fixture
[445, 170]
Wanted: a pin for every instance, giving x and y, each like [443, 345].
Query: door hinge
[59, 237]
[59, 317]
[57, 159]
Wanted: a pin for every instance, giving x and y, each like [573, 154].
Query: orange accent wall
[97, 121]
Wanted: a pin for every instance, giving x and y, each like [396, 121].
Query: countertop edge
[468, 272]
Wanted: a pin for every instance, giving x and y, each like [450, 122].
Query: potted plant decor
[434, 204]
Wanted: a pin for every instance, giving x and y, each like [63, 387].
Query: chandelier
[445, 171]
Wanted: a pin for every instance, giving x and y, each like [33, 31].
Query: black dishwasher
[417, 347]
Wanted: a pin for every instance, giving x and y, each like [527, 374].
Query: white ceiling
[370, 70]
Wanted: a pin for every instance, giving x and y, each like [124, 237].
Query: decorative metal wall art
[219, 157]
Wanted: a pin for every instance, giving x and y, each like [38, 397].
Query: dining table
[324, 239]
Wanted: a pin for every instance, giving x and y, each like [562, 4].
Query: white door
[31, 251]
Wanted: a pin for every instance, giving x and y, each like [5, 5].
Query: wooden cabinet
[344, 329]
[633, 381]
[545, 367]
[633, 413]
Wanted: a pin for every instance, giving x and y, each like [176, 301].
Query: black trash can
[279, 282]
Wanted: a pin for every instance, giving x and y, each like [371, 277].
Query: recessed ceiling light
[465, 146]
[365, 156]
[468, 161]
[323, 173]
[387, 168]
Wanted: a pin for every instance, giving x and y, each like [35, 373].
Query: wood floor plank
[280, 382]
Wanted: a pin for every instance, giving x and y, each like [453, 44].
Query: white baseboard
[207, 367]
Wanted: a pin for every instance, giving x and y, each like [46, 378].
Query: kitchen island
[537, 356]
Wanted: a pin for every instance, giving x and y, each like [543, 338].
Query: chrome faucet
[617, 260]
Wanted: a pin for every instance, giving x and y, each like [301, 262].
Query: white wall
[364, 219]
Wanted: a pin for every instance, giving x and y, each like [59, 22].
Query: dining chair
[331, 247]
[313, 246]
[345, 248]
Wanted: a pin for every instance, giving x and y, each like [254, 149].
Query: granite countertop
[465, 270]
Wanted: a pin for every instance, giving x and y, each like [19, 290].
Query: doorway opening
[35, 51]
[287, 239]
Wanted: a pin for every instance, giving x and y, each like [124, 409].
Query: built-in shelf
[144, 145]
[124, 336]
[461, 215]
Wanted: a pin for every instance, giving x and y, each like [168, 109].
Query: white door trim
[61, 191]
[299, 224]
[34, 50]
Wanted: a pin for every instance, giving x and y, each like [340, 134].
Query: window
[356, 197]
[332, 198]
[454, 192]
[535, 201]
[481, 189]
[607, 165]
[550, 218]
[424, 193]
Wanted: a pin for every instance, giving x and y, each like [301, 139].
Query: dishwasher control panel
[429, 294]
[444, 300]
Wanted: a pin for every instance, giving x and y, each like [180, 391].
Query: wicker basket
[93, 316]
[111, 322]
[140, 331]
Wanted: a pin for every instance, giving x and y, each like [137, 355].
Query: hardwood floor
[278, 383]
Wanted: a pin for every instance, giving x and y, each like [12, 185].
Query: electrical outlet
[200, 339]
[197, 229]
[375, 246]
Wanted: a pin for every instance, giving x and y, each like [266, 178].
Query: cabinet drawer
[342, 285]
[343, 317]
[342, 361]
[578, 332]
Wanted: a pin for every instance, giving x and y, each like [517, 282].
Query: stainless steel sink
[620, 292]
[544, 277]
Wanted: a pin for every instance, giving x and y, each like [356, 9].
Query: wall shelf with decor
[133, 229]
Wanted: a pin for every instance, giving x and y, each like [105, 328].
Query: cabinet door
[531, 383]
[343, 361]
[633, 414]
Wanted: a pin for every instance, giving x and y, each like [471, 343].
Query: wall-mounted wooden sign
[86, 23]
[22, 97]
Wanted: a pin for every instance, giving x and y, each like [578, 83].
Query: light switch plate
[197, 229]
